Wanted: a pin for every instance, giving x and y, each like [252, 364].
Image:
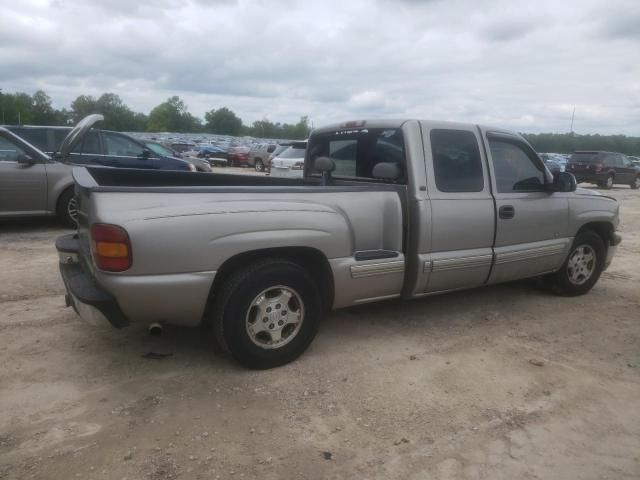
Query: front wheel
[583, 266]
[636, 183]
[267, 314]
[608, 183]
[259, 166]
[67, 209]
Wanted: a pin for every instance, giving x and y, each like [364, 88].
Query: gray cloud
[519, 65]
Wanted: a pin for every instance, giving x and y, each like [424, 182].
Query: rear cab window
[356, 152]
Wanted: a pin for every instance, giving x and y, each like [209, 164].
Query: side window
[35, 136]
[456, 161]
[9, 151]
[625, 161]
[120, 145]
[516, 170]
[91, 143]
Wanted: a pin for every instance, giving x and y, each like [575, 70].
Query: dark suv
[603, 168]
[100, 147]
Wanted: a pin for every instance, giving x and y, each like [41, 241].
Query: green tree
[223, 121]
[42, 111]
[172, 116]
[82, 106]
[117, 116]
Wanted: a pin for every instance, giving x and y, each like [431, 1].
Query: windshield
[293, 152]
[586, 157]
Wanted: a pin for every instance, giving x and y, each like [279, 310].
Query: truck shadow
[31, 224]
[435, 315]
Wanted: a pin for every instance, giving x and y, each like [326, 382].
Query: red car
[238, 156]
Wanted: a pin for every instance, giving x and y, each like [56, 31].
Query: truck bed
[121, 177]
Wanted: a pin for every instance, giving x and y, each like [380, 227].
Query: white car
[290, 162]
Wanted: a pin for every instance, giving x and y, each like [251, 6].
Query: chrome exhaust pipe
[155, 329]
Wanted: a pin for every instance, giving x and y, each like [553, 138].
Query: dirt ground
[506, 382]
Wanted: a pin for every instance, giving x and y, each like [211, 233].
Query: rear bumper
[90, 302]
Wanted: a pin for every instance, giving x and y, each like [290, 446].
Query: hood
[593, 193]
[77, 133]
[586, 191]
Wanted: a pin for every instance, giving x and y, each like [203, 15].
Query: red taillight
[353, 124]
[111, 247]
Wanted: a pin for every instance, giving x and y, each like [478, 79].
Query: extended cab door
[532, 234]
[462, 216]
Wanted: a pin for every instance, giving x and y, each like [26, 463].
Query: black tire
[635, 184]
[234, 303]
[561, 282]
[608, 183]
[259, 166]
[65, 208]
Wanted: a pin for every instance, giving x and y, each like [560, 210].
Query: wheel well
[603, 229]
[62, 192]
[312, 260]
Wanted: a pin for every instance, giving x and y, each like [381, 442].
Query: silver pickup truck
[385, 209]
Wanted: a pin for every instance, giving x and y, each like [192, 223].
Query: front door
[532, 231]
[23, 186]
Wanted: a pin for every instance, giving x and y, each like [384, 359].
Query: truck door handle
[506, 212]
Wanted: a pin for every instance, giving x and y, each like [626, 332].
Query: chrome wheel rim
[637, 182]
[581, 264]
[609, 182]
[275, 317]
[258, 166]
[72, 209]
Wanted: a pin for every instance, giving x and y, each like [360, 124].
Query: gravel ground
[505, 382]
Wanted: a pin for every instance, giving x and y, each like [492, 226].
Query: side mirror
[25, 160]
[564, 182]
[146, 153]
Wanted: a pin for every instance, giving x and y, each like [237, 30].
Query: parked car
[214, 156]
[181, 147]
[32, 183]
[99, 147]
[259, 156]
[556, 159]
[289, 162]
[414, 209]
[635, 161]
[238, 156]
[200, 165]
[605, 169]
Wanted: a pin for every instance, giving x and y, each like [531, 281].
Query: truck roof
[397, 123]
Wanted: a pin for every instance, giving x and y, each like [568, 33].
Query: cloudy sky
[518, 64]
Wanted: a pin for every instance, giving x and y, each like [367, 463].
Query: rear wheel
[636, 183]
[267, 314]
[67, 208]
[259, 166]
[583, 266]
